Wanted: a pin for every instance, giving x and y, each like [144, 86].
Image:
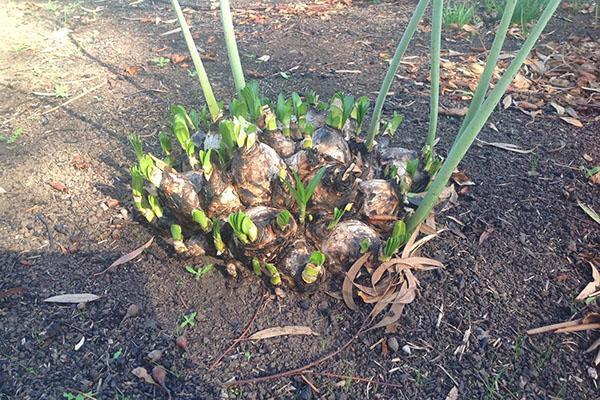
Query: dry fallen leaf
[12, 292]
[452, 394]
[75, 298]
[79, 344]
[282, 331]
[507, 147]
[462, 179]
[141, 373]
[591, 287]
[58, 186]
[178, 58]
[572, 121]
[454, 112]
[129, 256]
[507, 101]
[133, 70]
[589, 211]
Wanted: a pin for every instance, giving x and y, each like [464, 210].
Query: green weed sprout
[243, 227]
[200, 217]
[200, 271]
[301, 193]
[275, 275]
[313, 267]
[283, 220]
[177, 237]
[396, 240]
[365, 245]
[458, 14]
[393, 124]
[338, 214]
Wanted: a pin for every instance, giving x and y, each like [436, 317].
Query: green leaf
[317, 258]
[136, 143]
[176, 233]
[314, 182]
[283, 219]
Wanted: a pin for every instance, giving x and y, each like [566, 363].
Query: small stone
[592, 373]
[406, 349]
[81, 306]
[112, 203]
[393, 344]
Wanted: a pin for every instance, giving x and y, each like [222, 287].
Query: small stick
[309, 383]
[358, 379]
[86, 92]
[244, 333]
[299, 370]
[182, 300]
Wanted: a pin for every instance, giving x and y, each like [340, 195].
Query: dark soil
[526, 274]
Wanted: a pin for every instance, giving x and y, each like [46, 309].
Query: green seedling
[365, 245]
[301, 193]
[17, 133]
[205, 162]
[397, 239]
[256, 267]
[313, 267]
[200, 217]
[117, 354]
[340, 109]
[283, 220]
[61, 91]
[243, 227]
[199, 272]
[160, 62]
[180, 125]
[188, 320]
[177, 237]
[312, 98]
[274, 273]
[155, 205]
[167, 147]
[338, 214]
[136, 143]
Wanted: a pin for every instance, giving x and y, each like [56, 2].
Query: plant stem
[464, 142]
[436, 39]
[213, 107]
[232, 50]
[490, 65]
[391, 72]
[302, 213]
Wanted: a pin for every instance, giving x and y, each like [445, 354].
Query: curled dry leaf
[141, 373]
[133, 70]
[75, 298]
[349, 279]
[462, 179]
[282, 331]
[572, 121]
[591, 288]
[79, 344]
[129, 256]
[454, 112]
[589, 211]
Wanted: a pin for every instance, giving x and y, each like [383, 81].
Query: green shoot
[301, 193]
[155, 205]
[161, 62]
[213, 106]
[166, 146]
[312, 98]
[361, 108]
[397, 239]
[412, 167]
[188, 320]
[458, 14]
[200, 271]
[149, 170]
[244, 132]
[284, 113]
[232, 50]
[283, 220]
[243, 227]
[275, 275]
[217, 239]
[340, 110]
[177, 237]
[180, 121]
[465, 140]
[137, 189]
[270, 119]
[393, 124]
[391, 72]
[206, 163]
[228, 139]
[313, 267]
[256, 267]
[365, 245]
[194, 118]
[300, 108]
[338, 214]
[199, 216]
[436, 40]
[431, 162]
[204, 117]
[136, 143]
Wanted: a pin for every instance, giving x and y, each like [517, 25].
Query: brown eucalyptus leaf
[61, 187]
[129, 256]
[349, 279]
[75, 298]
[572, 121]
[282, 331]
[591, 287]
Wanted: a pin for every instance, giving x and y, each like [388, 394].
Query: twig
[300, 370]
[244, 333]
[309, 383]
[358, 379]
[86, 92]
[182, 300]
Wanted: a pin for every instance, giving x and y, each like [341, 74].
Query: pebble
[592, 373]
[406, 349]
[393, 344]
